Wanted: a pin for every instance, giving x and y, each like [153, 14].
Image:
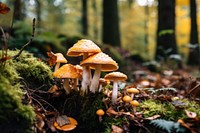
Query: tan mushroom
[126, 99]
[134, 103]
[132, 91]
[100, 113]
[60, 59]
[67, 71]
[115, 77]
[84, 48]
[70, 124]
[99, 62]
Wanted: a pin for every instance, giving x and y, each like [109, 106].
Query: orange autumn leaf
[3, 8]
[52, 58]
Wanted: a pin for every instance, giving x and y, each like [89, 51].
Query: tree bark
[194, 55]
[166, 40]
[38, 13]
[18, 10]
[111, 33]
[84, 18]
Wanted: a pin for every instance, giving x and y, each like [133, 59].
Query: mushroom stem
[66, 86]
[75, 84]
[57, 66]
[100, 119]
[114, 92]
[132, 96]
[134, 109]
[100, 87]
[95, 79]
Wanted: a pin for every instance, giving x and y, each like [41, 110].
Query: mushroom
[134, 103]
[115, 77]
[69, 125]
[132, 91]
[60, 59]
[100, 113]
[102, 82]
[126, 99]
[86, 48]
[66, 72]
[99, 62]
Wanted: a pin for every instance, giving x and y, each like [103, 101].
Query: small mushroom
[132, 91]
[60, 59]
[126, 99]
[134, 103]
[69, 125]
[99, 62]
[115, 77]
[100, 113]
[84, 48]
[102, 82]
[67, 71]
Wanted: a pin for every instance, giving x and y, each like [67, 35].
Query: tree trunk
[111, 33]
[194, 55]
[166, 40]
[95, 28]
[84, 18]
[18, 10]
[38, 13]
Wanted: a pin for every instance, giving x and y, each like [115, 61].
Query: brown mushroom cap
[73, 123]
[133, 90]
[67, 71]
[106, 62]
[127, 98]
[60, 58]
[115, 76]
[134, 103]
[100, 112]
[83, 46]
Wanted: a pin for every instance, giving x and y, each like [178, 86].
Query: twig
[193, 89]
[31, 39]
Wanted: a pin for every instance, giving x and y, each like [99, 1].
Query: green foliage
[117, 121]
[167, 110]
[168, 126]
[12, 112]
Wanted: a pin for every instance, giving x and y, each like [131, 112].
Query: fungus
[85, 48]
[115, 77]
[65, 123]
[66, 72]
[126, 99]
[60, 59]
[102, 82]
[132, 91]
[100, 113]
[99, 62]
[134, 103]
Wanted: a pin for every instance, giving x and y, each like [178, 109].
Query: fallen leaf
[110, 111]
[190, 114]
[116, 129]
[3, 8]
[52, 58]
[153, 117]
[62, 120]
[53, 89]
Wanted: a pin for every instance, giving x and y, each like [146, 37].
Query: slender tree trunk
[38, 13]
[95, 28]
[111, 33]
[166, 40]
[18, 10]
[194, 55]
[84, 18]
[146, 41]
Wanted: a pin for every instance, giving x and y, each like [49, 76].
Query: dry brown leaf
[53, 89]
[110, 111]
[190, 114]
[153, 117]
[116, 129]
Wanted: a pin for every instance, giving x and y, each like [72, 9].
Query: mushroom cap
[79, 69]
[60, 58]
[134, 103]
[127, 98]
[115, 76]
[100, 112]
[67, 71]
[83, 46]
[133, 90]
[73, 123]
[106, 62]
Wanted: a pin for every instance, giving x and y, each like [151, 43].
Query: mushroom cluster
[92, 58]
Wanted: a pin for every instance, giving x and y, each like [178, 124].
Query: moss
[167, 110]
[14, 116]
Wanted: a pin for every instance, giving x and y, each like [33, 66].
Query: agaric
[84, 48]
[60, 59]
[70, 125]
[134, 103]
[99, 62]
[100, 113]
[132, 91]
[115, 77]
[67, 71]
[126, 99]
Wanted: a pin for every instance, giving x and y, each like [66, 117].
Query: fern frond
[168, 126]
